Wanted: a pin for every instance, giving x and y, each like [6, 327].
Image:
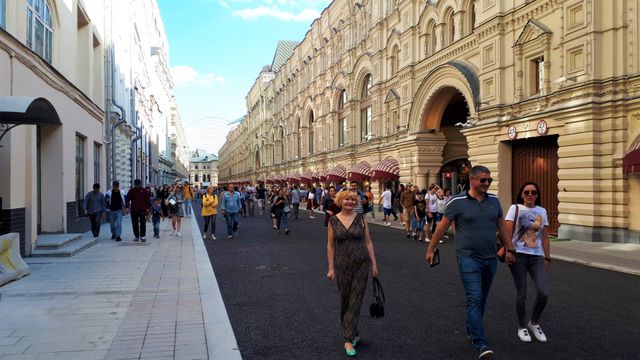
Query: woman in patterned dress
[350, 255]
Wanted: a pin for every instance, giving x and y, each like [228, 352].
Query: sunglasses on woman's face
[530, 193]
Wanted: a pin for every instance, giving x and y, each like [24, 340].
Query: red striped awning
[293, 178]
[270, 179]
[338, 173]
[306, 177]
[280, 178]
[388, 170]
[631, 160]
[315, 176]
[322, 175]
[359, 172]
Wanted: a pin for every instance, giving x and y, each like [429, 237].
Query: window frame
[39, 11]
[97, 157]
[366, 108]
[3, 14]
[80, 150]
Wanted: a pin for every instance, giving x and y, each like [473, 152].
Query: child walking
[156, 214]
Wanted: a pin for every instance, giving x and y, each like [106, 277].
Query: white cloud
[273, 12]
[186, 75]
[223, 3]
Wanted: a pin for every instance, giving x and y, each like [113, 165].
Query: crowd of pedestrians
[427, 215]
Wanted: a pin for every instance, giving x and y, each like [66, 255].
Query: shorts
[386, 211]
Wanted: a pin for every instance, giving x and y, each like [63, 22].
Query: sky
[216, 51]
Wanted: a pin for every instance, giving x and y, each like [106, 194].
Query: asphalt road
[282, 306]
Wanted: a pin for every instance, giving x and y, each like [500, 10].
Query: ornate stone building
[203, 169]
[544, 90]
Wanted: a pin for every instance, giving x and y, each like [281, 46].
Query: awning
[270, 179]
[322, 175]
[293, 178]
[631, 161]
[359, 172]
[315, 176]
[338, 173]
[306, 176]
[280, 179]
[386, 170]
[27, 111]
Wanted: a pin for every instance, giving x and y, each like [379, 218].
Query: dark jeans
[477, 276]
[281, 219]
[139, 223]
[534, 265]
[296, 210]
[210, 220]
[95, 223]
[156, 227]
[232, 222]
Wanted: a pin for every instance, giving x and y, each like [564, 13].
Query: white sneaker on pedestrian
[440, 242]
[537, 332]
[204, 236]
[427, 240]
[179, 235]
[213, 237]
[229, 237]
[523, 334]
[387, 224]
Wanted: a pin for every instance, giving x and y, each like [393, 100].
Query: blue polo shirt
[476, 224]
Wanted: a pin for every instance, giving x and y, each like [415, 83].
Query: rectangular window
[342, 131]
[537, 75]
[80, 143]
[3, 11]
[365, 124]
[97, 156]
[311, 142]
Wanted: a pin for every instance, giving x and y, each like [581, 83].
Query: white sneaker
[427, 240]
[387, 224]
[204, 236]
[213, 237]
[440, 242]
[179, 235]
[537, 332]
[523, 334]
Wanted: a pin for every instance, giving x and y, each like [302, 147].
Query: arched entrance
[446, 114]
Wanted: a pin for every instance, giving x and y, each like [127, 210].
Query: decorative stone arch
[467, 6]
[443, 82]
[392, 113]
[362, 67]
[443, 6]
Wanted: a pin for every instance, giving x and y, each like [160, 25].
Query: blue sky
[216, 50]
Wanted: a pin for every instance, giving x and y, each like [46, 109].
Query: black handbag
[377, 306]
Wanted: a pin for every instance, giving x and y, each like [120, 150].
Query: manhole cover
[271, 268]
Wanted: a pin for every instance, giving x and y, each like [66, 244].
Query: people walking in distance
[251, 201]
[370, 203]
[94, 207]
[156, 215]
[477, 215]
[243, 208]
[295, 201]
[317, 201]
[209, 212]
[432, 209]
[442, 202]
[350, 256]
[528, 222]
[407, 199]
[386, 199]
[362, 206]
[115, 201]
[230, 208]
[175, 202]
[273, 194]
[282, 221]
[138, 204]
[188, 198]
[311, 196]
[419, 217]
[397, 203]
[261, 196]
[330, 207]
[164, 194]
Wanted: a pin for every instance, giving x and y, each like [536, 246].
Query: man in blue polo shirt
[477, 215]
[230, 206]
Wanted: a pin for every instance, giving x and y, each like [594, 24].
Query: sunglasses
[485, 180]
[530, 193]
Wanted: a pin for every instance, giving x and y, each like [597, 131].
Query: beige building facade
[544, 90]
[203, 169]
[52, 85]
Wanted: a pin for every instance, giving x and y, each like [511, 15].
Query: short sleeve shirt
[476, 224]
[386, 199]
[527, 231]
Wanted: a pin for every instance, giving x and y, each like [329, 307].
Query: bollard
[12, 267]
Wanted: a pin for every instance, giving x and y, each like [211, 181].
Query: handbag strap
[377, 288]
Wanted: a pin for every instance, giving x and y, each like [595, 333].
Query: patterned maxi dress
[351, 264]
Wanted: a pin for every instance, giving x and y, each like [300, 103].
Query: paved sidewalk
[611, 256]
[155, 300]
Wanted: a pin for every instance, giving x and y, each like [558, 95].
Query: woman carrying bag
[350, 255]
[528, 223]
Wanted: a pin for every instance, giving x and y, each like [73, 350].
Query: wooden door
[536, 159]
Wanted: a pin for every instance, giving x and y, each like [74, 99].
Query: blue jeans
[115, 220]
[477, 276]
[232, 222]
[187, 207]
[156, 226]
[282, 219]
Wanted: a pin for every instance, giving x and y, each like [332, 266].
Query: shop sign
[512, 132]
[542, 128]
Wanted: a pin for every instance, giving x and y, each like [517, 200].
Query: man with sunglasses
[477, 215]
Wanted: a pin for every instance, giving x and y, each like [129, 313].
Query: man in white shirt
[386, 201]
[432, 209]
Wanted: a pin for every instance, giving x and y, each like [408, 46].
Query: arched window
[450, 27]
[311, 133]
[366, 103]
[430, 39]
[471, 13]
[395, 60]
[342, 119]
[40, 28]
[282, 144]
[298, 145]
